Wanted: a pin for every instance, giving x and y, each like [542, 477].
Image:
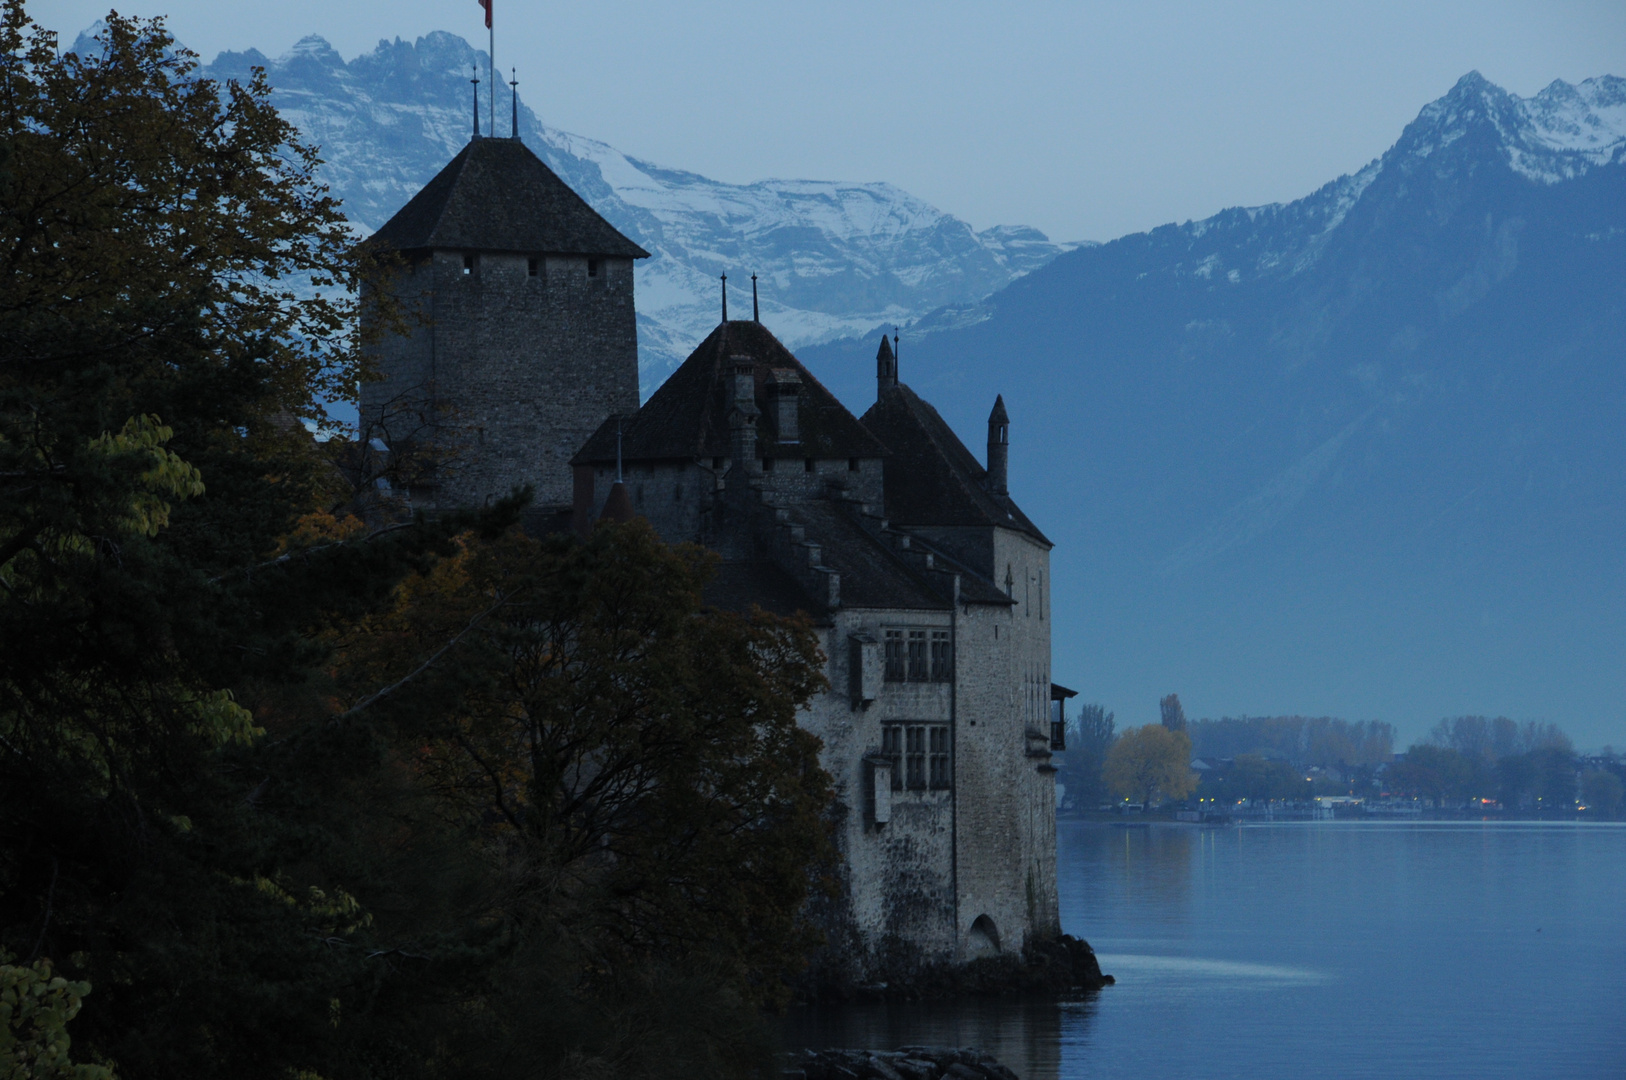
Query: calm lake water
[1325, 949]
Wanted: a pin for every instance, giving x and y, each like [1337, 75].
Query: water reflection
[1028, 1036]
[1141, 865]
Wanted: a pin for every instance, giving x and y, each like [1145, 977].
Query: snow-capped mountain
[832, 258]
[1559, 134]
[1361, 453]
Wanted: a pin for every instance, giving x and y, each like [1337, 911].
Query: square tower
[522, 332]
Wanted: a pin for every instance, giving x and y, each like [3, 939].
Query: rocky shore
[905, 1063]
[1063, 965]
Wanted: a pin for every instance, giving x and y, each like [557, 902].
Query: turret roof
[496, 195]
[931, 478]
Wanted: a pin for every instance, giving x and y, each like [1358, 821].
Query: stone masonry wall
[520, 367]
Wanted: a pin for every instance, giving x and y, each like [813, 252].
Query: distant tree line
[1528, 766]
[1304, 740]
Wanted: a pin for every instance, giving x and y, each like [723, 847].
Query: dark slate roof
[688, 416]
[737, 585]
[496, 195]
[931, 478]
[872, 574]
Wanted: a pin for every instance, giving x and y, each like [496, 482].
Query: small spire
[756, 314]
[725, 297]
[476, 82]
[886, 367]
[513, 85]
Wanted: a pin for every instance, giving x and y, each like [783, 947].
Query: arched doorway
[983, 940]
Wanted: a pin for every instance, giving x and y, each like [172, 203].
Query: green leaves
[35, 1008]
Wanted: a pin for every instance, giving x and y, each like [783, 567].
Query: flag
[487, 5]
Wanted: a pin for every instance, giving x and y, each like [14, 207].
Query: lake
[1340, 949]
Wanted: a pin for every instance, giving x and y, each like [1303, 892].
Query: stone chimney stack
[787, 393]
[742, 419]
[999, 447]
[886, 368]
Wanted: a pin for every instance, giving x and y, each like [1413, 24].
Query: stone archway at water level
[983, 940]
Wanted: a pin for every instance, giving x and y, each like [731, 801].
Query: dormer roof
[688, 416]
[931, 478]
[496, 195]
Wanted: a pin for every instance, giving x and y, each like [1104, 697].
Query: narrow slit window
[852, 464]
[592, 268]
[807, 465]
[892, 747]
[468, 264]
[939, 761]
[531, 267]
[942, 659]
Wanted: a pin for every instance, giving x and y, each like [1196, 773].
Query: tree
[1174, 717]
[35, 1008]
[1092, 735]
[1150, 762]
[631, 761]
[161, 345]
[1439, 773]
[1253, 776]
[1602, 792]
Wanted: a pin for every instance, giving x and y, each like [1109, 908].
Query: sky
[1086, 120]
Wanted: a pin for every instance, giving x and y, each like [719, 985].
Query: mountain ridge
[1360, 453]
[832, 257]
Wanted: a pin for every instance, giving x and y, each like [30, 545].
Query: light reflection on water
[1446, 950]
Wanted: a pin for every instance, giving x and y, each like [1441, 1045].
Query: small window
[852, 464]
[468, 264]
[531, 266]
[717, 463]
[807, 465]
[918, 671]
[894, 656]
[767, 464]
[592, 268]
[942, 660]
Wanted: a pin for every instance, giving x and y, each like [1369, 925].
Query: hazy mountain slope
[1364, 453]
[834, 258]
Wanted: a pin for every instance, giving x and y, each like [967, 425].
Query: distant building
[928, 585]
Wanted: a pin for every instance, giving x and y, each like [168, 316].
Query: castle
[928, 585]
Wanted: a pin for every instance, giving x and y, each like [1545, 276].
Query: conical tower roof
[496, 195]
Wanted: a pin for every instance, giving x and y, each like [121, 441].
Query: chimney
[999, 447]
[742, 419]
[787, 392]
[886, 368]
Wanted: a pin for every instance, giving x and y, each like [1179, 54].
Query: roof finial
[513, 84]
[756, 314]
[725, 297]
[476, 82]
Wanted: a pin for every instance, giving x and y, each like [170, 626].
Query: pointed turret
[886, 368]
[999, 439]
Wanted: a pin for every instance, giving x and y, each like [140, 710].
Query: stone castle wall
[519, 361]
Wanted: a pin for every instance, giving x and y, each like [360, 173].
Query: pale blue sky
[1087, 120]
